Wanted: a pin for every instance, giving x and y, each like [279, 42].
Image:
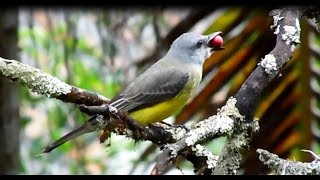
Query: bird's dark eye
[199, 43]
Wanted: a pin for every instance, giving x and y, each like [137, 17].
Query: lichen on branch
[221, 124]
[36, 80]
[287, 167]
[43, 83]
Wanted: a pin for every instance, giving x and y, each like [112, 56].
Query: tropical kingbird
[164, 88]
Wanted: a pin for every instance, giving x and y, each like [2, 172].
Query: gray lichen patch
[268, 63]
[37, 80]
[174, 149]
[291, 34]
[178, 132]
[222, 123]
[288, 167]
[202, 151]
[276, 18]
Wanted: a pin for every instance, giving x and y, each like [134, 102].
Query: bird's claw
[113, 110]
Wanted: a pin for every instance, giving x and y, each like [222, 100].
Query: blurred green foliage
[56, 49]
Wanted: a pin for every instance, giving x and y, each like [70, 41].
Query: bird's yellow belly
[165, 109]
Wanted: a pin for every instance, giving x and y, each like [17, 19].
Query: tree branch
[287, 167]
[287, 29]
[43, 83]
[221, 124]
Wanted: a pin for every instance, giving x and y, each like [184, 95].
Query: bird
[164, 88]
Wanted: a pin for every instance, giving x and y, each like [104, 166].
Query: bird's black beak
[215, 41]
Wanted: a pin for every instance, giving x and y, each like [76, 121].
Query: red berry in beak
[216, 42]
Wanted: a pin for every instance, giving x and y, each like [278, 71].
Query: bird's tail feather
[89, 126]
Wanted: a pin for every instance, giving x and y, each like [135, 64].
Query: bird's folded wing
[151, 88]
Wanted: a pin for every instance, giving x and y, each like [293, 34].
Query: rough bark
[9, 103]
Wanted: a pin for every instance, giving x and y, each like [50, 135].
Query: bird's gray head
[195, 48]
